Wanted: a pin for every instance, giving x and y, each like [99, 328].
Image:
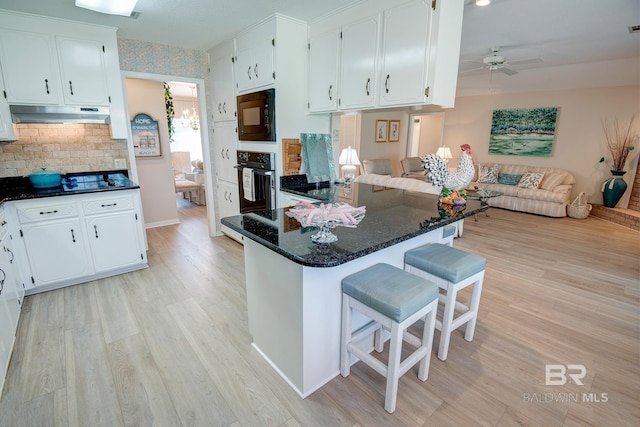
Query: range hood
[58, 114]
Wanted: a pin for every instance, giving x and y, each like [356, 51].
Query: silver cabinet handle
[4, 276]
[108, 205]
[95, 230]
[224, 107]
[219, 108]
[255, 70]
[386, 83]
[70, 87]
[249, 72]
[73, 236]
[330, 92]
[46, 85]
[227, 154]
[225, 195]
[12, 256]
[222, 153]
[367, 86]
[48, 212]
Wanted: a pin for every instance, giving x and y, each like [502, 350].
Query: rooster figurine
[453, 183]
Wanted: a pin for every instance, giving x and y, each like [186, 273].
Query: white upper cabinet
[7, 132]
[403, 62]
[323, 72]
[359, 54]
[406, 54]
[223, 91]
[224, 146]
[46, 61]
[82, 71]
[28, 68]
[254, 61]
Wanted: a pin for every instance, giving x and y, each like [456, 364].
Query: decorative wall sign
[523, 132]
[146, 139]
[381, 130]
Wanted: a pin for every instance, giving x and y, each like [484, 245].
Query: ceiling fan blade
[507, 71]
[472, 69]
[526, 61]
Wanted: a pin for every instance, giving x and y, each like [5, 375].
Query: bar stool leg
[427, 341]
[447, 322]
[474, 305]
[345, 362]
[393, 370]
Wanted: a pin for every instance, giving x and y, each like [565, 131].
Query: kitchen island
[294, 294]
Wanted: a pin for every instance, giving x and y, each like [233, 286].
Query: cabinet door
[224, 143]
[323, 72]
[255, 63]
[56, 251]
[8, 284]
[228, 199]
[358, 76]
[82, 70]
[224, 101]
[28, 68]
[113, 240]
[7, 132]
[404, 54]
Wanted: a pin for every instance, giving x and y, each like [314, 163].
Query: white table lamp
[444, 153]
[349, 160]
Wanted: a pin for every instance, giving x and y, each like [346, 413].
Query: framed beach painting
[146, 138]
[523, 131]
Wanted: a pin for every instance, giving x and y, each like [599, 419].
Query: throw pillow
[551, 181]
[509, 179]
[531, 180]
[488, 174]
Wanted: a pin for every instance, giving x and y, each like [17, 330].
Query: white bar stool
[394, 300]
[448, 233]
[452, 270]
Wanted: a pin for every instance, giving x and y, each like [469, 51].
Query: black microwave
[256, 116]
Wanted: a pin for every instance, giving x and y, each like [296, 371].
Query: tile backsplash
[63, 148]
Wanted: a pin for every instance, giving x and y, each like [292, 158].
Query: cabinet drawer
[107, 204]
[31, 212]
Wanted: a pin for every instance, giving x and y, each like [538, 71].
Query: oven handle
[257, 171]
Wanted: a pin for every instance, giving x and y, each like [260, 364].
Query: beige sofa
[550, 198]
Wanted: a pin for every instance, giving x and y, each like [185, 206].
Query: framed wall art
[394, 130]
[381, 130]
[146, 139]
[523, 131]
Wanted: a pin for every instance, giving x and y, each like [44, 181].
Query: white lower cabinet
[77, 238]
[56, 251]
[113, 241]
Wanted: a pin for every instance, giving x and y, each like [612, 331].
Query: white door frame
[204, 134]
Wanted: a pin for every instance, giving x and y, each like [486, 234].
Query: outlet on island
[120, 163]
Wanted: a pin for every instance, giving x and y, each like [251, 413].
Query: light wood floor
[169, 346]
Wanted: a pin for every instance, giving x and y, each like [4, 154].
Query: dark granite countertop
[19, 188]
[392, 216]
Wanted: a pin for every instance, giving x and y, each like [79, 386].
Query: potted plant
[620, 142]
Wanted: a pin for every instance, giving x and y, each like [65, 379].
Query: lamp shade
[111, 7]
[444, 153]
[349, 156]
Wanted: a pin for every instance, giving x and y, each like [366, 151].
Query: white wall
[579, 142]
[155, 174]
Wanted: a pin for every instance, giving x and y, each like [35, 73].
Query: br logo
[557, 374]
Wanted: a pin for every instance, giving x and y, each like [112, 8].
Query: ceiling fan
[497, 62]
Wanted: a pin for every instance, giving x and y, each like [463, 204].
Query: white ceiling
[584, 43]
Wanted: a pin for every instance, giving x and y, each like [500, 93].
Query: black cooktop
[18, 187]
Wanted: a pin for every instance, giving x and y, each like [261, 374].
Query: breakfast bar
[294, 285]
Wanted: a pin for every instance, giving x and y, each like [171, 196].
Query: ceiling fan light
[482, 2]
[110, 7]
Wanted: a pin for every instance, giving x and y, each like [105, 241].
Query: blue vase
[613, 189]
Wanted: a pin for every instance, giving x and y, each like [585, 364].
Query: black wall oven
[256, 181]
[256, 116]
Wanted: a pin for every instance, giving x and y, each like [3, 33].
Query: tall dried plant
[620, 141]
